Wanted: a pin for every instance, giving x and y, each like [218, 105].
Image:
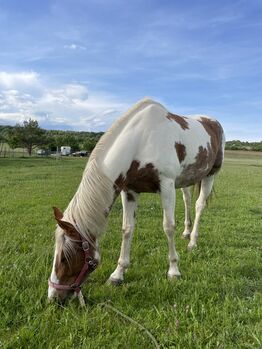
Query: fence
[7, 152]
[14, 153]
[21, 153]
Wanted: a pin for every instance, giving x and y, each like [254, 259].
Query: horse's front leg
[129, 202]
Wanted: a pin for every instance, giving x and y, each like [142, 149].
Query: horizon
[96, 132]
[77, 66]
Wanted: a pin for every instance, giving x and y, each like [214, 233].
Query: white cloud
[14, 80]
[74, 47]
[13, 117]
[63, 105]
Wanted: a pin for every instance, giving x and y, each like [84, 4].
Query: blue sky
[78, 64]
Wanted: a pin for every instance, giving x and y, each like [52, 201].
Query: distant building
[65, 150]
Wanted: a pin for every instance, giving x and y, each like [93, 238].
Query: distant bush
[239, 145]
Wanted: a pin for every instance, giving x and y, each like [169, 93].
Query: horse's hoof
[115, 282]
[191, 247]
[173, 276]
[185, 236]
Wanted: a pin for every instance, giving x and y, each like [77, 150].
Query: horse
[147, 150]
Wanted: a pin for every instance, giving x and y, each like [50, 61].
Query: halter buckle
[92, 263]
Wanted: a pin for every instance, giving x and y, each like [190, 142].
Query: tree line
[30, 136]
[239, 145]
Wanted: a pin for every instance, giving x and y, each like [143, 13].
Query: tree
[2, 139]
[53, 141]
[89, 144]
[71, 141]
[29, 136]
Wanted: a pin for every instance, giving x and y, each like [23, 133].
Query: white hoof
[115, 282]
[191, 246]
[173, 276]
[185, 235]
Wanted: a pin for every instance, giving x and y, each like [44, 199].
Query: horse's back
[185, 149]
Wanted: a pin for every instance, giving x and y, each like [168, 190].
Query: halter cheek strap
[89, 266]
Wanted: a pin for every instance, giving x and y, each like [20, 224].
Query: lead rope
[126, 317]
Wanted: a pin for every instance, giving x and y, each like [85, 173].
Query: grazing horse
[148, 150]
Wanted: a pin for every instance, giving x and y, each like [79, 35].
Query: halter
[89, 266]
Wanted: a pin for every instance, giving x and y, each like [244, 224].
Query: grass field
[216, 304]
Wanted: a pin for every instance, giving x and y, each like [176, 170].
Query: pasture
[216, 304]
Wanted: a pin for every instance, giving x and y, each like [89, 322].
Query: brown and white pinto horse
[147, 150]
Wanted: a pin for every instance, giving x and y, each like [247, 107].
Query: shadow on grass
[256, 211]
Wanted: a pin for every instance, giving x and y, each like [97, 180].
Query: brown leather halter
[89, 266]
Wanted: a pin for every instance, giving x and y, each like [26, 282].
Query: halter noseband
[89, 266]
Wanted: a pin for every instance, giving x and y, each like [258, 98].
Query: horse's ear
[58, 214]
[68, 228]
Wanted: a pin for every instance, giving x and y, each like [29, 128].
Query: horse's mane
[89, 206]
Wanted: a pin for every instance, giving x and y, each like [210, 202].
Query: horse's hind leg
[168, 202]
[187, 202]
[206, 189]
[129, 202]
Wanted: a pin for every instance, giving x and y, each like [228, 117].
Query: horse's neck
[120, 145]
[92, 202]
[117, 158]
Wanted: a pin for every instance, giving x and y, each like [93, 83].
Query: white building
[65, 150]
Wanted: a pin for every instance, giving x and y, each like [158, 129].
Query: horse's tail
[197, 189]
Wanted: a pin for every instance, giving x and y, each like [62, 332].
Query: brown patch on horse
[195, 172]
[181, 120]
[181, 151]
[140, 180]
[218, 162]
[67, 270]
[118, 185]
[214, 129]
[130, 197]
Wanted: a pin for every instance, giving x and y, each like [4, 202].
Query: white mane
[91, 202]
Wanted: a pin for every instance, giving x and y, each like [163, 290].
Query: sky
[79, 64]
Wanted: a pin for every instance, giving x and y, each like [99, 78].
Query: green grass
[216, 304]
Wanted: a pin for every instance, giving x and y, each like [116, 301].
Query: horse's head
[74, 259]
